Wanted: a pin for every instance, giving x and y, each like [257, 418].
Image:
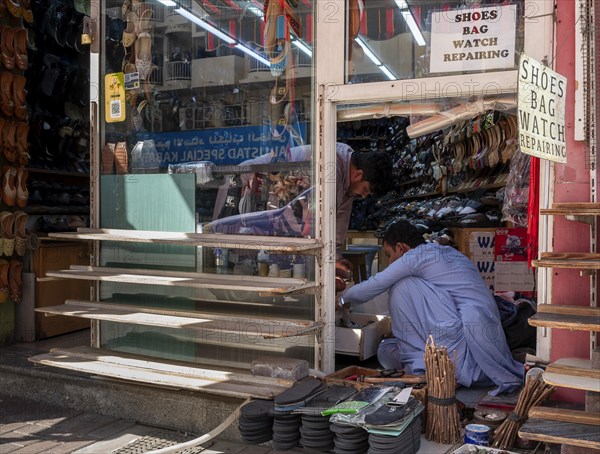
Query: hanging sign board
[542, 94]
[473, 39]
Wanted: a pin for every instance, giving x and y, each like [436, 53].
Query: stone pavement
[29, 427]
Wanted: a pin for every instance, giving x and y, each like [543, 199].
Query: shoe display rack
[570, 427]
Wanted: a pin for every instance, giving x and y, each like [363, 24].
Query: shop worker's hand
[340, 284]
[343, 269]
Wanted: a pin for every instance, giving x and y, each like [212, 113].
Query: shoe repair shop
[186, 92]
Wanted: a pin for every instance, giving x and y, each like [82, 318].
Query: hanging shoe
[7, 44]
[19, 97]
[20, 48]
[20, 232]
[7, 221]
[9, 189]
[22, 191]
[9, 144]
[22, 144]
[7, 104]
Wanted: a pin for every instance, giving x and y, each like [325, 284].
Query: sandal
[4, 266]
[7, 222]
[20, 232]
[9, 189]
[15, 280]
[129, 35]
[19, 97]
[20, 48]
[7, 43]
[121, 158]
[143, 55]
[7, 104]
[108, 158]
[22, 191]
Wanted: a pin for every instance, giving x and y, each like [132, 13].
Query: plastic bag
[516, 196]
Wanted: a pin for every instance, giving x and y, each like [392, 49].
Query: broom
[533, 393]
[442, 415]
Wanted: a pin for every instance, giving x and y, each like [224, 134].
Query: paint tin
[477, 434]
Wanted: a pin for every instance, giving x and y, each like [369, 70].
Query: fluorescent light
[411, 22]
[384, 69]
[205, 25]
[253, 54]
[368, 52]
[303, 47]
[167, 2]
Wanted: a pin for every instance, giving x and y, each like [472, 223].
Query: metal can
[477, 434]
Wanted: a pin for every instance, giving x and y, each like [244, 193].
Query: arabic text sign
[222, 146]
[542, 94]
[473, 39]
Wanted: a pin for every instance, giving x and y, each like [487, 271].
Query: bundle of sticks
[442, 414]
[533, 393]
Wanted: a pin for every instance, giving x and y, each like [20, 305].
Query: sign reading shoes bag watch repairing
[473, 39]
[542, 94]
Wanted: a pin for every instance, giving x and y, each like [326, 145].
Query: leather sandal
[4, 266]
[7, 44]
[22, 143]
[15, 280]
[9, 188]
[19, 97]
[121, 160]
[108, 159]
[20, 48]
[7, 104]
[9, 144]
[20, 232]
[22, 191]
[7, 223]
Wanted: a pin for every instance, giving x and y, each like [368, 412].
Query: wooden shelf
[172, 374]
[120, 313]
[573, 382]
[573, 209]
[560, 432]
[575, 367]
[565, 415]
[579, 318]
[573, 260]
[270, 285]
[268, 243]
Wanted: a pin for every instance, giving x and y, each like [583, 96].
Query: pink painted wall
[572, 184]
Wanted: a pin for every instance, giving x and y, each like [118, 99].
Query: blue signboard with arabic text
[223, 146]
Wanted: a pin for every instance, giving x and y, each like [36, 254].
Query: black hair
[377, 169]
[403, 231]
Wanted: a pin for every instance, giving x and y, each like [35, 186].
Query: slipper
[4, 266]
[297, 395]
[22, 191]
[7, 222]
[15, 280]
[20, 48]
[20, 232]
[121, 158]
[9, 189]
[108, 158]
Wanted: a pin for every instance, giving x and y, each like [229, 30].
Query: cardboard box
[362, 342]
[476, 243]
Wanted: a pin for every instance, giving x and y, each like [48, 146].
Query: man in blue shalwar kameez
[435, 290]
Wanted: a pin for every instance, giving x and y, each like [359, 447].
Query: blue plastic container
[477, 434]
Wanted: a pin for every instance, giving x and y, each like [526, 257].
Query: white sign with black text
[473, 39]
[542, 94]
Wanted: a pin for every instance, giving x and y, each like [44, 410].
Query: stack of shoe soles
[315, 432]
[256, 421]
[408, 442]
[404, 424]
[286, 425]
[349, 439]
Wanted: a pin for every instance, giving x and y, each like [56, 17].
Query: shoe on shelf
[22, 191]
[9, 188]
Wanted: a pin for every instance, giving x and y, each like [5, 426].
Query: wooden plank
[585, 311]
[169, 367]
[576, 367]
[565, 415]
[182, 320]
[569, 381]
[577, 260]
[145, 372]
[565, 321]
[559, 432]
[183, 279]
[576, 208]
[268, 243]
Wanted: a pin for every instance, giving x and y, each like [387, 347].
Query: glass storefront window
[205, 127]
[412, 39]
